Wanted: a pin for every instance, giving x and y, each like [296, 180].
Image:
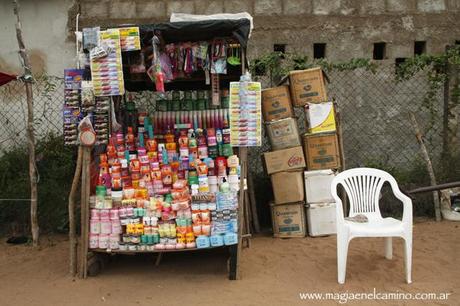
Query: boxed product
[288, 187]
[321, 219]
[288, 220]
[318, 186]
[320, 117]
[284, 160]
[283, 134]
[276, 103]
[321, 151]
[307, 86]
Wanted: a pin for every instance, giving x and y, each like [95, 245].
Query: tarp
[200, 30]
[6, 78]
[180, 17]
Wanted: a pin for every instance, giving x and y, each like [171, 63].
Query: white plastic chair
[363, 186]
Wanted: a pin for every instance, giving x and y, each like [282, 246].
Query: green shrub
[56, 166]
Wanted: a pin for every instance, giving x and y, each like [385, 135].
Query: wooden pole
[30, 127]
[235, 250]
[436, 187]
[71, 207]
[429, 166]
[247, 219]
[342, 153]
[85, 193]
[241, 208]
[253, 203]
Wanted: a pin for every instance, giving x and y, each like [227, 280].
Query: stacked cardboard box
[285, 163]
[320, 204]
[321, 151]
[321, 147]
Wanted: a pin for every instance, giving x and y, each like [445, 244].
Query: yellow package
[320, 117]
[140, 229]
[131, 228]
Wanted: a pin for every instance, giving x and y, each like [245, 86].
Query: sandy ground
[275, 271]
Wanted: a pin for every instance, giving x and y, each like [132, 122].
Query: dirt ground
[274, 272]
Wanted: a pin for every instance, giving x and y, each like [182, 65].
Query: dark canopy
[201, 30]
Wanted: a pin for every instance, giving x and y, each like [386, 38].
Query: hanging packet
[90, 37]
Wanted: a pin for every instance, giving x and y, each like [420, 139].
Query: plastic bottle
[212, 143]
[130, 140]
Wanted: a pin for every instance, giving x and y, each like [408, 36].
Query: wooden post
[71, 207]
[30, 127]
[342, 153]
[247, 219]
[85, 193]
[253, 203]
[243, 152]
[429, 166]
[241, 207]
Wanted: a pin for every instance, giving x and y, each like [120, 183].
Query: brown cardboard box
[276, 103]
[283, 134]
[321, 151]
[288, 186]
[307, 86]
[284, 160]
[288, 220]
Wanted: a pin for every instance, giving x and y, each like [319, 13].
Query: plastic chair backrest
[363, 186]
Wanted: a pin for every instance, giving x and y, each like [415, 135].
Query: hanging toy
[154, 72]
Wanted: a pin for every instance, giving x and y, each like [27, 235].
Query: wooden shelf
[154, 251]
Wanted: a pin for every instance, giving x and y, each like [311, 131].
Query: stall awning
[201, 30]
[5, 78]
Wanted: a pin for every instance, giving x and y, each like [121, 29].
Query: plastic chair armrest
[407, 203]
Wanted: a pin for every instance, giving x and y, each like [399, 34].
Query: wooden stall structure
[235, 32]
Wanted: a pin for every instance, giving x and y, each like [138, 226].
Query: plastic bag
[100, 51]
[90, 37]
[86, 134]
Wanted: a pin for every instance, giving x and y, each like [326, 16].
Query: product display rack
[226, 26]
[153, 251]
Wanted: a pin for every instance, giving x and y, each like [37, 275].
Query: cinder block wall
[349, 28]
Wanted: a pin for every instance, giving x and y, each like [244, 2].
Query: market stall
[164, 173]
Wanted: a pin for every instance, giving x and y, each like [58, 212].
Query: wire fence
[374, 113]
[48, 95]
[374, 110]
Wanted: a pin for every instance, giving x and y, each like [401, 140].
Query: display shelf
[155, 251]
[197, 82]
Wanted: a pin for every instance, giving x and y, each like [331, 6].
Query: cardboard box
[321, 151]
[321, 219]
[276, 103]
[283, 134]
[320, 117]
[284, 160]
[288, 220]
[307, 86]
[288, 186]
[318, 186]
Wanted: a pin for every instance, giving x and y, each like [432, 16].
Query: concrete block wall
[348, 27]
